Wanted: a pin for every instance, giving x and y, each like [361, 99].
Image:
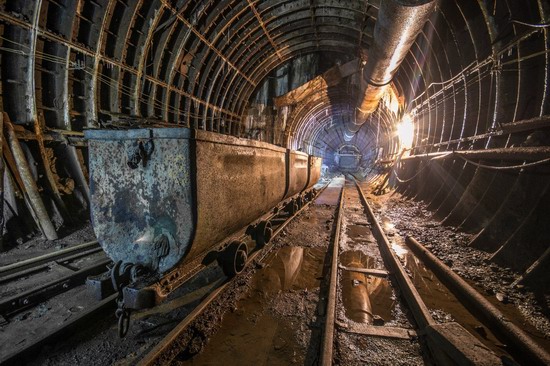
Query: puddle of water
[382, 298]
[437, 297]
[361, 292]
[249, 339]
[251, 335]
[291, 268]
[357, 231]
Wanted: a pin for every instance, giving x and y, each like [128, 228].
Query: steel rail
[158, 352]
[444, 342]
[53, 256]
[480, 307]
[418, 308]
[42, 267]
[47, 290]
[328, 334]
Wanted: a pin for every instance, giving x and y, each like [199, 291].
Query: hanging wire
[509, 167]
[111, 82]
[542, 25]
[400, 180]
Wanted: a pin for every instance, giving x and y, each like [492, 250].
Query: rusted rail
[328, 334]
[53, 256]
[48, 290]
[481, 307]
[448, 343]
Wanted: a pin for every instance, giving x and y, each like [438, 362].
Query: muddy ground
[38, 245]
[273, 313]
[273, 316]
[529, 309]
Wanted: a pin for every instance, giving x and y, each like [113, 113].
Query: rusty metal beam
[55, 38]
[141, 65]
[31, 189]
[331, 77]
[200, 36]
[506, 154]
[261, 22]
[47, 163]
[526, 124]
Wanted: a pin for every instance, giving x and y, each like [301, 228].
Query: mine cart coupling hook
[140, 153]
[118, 272]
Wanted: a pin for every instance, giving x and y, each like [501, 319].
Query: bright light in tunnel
[405, 131]
[348, 136]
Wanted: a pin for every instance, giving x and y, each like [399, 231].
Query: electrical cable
[509, 167]
[542, 25]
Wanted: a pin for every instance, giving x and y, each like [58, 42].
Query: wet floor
[360, 250]
[253, 324]
[379, 293]
[443, 305]
[276, 322]
[368, 299]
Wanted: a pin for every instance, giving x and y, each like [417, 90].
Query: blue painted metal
[144, 215]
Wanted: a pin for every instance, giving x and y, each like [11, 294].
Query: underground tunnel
[275, 182]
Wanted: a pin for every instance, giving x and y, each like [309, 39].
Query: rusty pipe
[398, 24]
[35, 201]
[478, 305]
[355, 295]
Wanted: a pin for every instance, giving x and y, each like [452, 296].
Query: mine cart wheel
[263, 233]
[233, 258]
[295, 207]
[300, 201]
[291, 207]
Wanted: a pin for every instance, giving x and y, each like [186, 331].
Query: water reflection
[361, 292]
[291, 268]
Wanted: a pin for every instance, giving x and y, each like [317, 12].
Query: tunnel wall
[477, 78]
[70, 65]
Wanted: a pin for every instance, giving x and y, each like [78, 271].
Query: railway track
[448, 343]
[414, 328]
[390, 307]
[35, 295]
[29, 282]
[162, 353]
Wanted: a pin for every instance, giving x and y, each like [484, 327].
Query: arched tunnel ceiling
[188, 62]
[78, 64]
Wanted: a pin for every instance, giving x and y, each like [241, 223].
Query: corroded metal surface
[297, 172]
[142, 215]
[237, 181]
[314, 170]
[159, 195]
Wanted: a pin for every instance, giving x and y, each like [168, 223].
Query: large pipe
[35, 201]
[398, 24]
